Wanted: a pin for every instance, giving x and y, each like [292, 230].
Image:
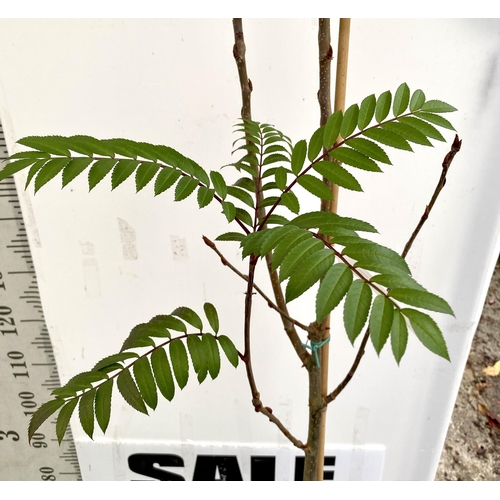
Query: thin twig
[455, 148]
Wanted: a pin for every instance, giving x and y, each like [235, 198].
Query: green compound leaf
[212, 316]
[428, 332]
[163, 373]
[435, 106]
[54, 144]
[74, 168]
[145, 174]
[332, 129]
[423, 127]
[287, 243]
[332, 290]
[273, 237]
[436, 119]
[399, 336]
[184, 188]
[355, 159]
[64, 418]
[166, 179]
[42, 414]
[417, 100]
[219, 184]
[298, 156]
[338, 175]
[356, 308]
[145, 381]
[407, 132]
[366, 111]
[297, 255]
[312, 269]
[229, 349]
[103, 404]
[205, 196]
[388, 138]
[99, 170]
[315, 186]
[210, 350]
[383, 106]
[401, 99]
[129, 391]
[315, 144]
[189, 316]
[49, 170]
[86, 412]
[422, 299]
[122, 171]
[349, 121]
[381, 318]
[290, 201]
[252, 243]
[179, 359]
[369, 148]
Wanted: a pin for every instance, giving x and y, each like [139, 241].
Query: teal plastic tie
[314, 346]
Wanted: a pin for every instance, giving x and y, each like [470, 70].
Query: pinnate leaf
[297, 255]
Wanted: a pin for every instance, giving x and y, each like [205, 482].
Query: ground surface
[472, 447]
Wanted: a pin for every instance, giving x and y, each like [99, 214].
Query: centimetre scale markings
[28, 371]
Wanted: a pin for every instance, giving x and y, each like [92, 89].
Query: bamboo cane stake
[339, 103]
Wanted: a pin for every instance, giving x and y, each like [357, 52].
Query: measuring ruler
[28, 371]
